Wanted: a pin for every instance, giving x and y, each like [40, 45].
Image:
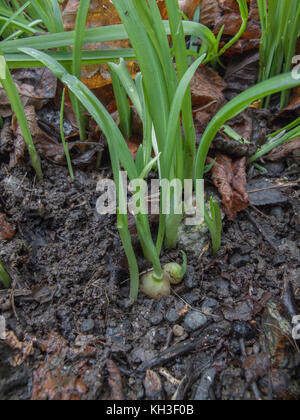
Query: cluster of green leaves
[21, 18]
[280, 23]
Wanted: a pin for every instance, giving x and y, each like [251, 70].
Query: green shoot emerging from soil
[161, 95]
[4, 277]
[280, 23]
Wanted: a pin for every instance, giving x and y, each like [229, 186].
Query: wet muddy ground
[224, 334]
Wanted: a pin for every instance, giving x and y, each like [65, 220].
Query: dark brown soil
[71, 300]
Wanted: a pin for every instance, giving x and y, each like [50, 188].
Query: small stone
[194, 320]
[87, 326]
[156, 318]
[172, 315]
[222, 287]
[178, 330]
[209, 305]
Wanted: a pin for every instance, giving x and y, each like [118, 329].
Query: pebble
[172, 315]
[156, 318]
[222, 287]
[87, 326]
[194, 320]
[209, 305]
[178, 330]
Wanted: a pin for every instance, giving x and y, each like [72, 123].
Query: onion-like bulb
[176, 272]
[155, 288]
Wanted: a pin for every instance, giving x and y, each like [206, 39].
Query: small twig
[278, 186]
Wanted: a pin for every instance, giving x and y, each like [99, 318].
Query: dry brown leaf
[103, 14]
[115, 381]
[207, 95]
[257, 366]
[210, 10]
[53, 380]
[229, 176]
[36, 87]
[231, 20]
[284, 150]
[241, 74]
[46, 145]
[100, 14]
[25, 349]
[7, 230]
[152, 384]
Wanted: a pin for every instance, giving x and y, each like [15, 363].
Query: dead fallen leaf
[284, 150]
[7, 230]
[37, 86]
[233, 22]
[257, 366]
[54, 379]
[25, 349]
[210, 10]
[241, 311]
[46, 145]
[115, 381]
[241, 74]
[229, 176]
[152, 384]
[207, 95]
[100, 14]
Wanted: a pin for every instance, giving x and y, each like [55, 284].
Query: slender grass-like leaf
[245, 16]
[123, 105]
[81, 17]
[104, 34]
[235, 107]
[62, 134]
[17, 106]
[10, 20]
[121, 71]
[214, 223]
[19, 60]
[4, 277]
[285, 135]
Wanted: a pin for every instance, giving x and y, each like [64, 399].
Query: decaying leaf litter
[72, 332]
